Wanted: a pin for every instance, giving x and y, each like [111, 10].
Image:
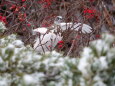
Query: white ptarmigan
[73, 26]
[47, 39]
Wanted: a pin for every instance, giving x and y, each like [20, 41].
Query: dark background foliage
[22, 16]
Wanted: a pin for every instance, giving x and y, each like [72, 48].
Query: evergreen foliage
[22, 66]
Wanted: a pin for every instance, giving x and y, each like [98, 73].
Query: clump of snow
[29, 80]
[108, 38]
[101, 46]
[18, 43]
[85, 63]
[4, 81]
[2, 27]
[99, 83]
[103, 63]
[87, 52]
[111, 55]
[10, 47]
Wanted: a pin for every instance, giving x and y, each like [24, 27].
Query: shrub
[21, 66]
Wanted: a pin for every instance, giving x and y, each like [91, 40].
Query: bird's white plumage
[77, 26]
[41, 30]
[73, 26]
[46, 41]
[58, 20]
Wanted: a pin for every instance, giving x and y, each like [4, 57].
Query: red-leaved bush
[22, 16]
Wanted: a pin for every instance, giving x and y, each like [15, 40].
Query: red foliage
[28, 25]
[3, 19]
[60, 46]
[61, 42]
[90, 13]
[46, 3]
[13, 7]
[97, 36]
[23, 0]
[21, 16]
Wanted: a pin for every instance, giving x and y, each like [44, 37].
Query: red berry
[28, 25]
[60, 42]
[23, 0]
[60, 46]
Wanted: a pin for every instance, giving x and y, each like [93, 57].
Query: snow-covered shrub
[97, 63]
[22, 66]
[2, 27]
